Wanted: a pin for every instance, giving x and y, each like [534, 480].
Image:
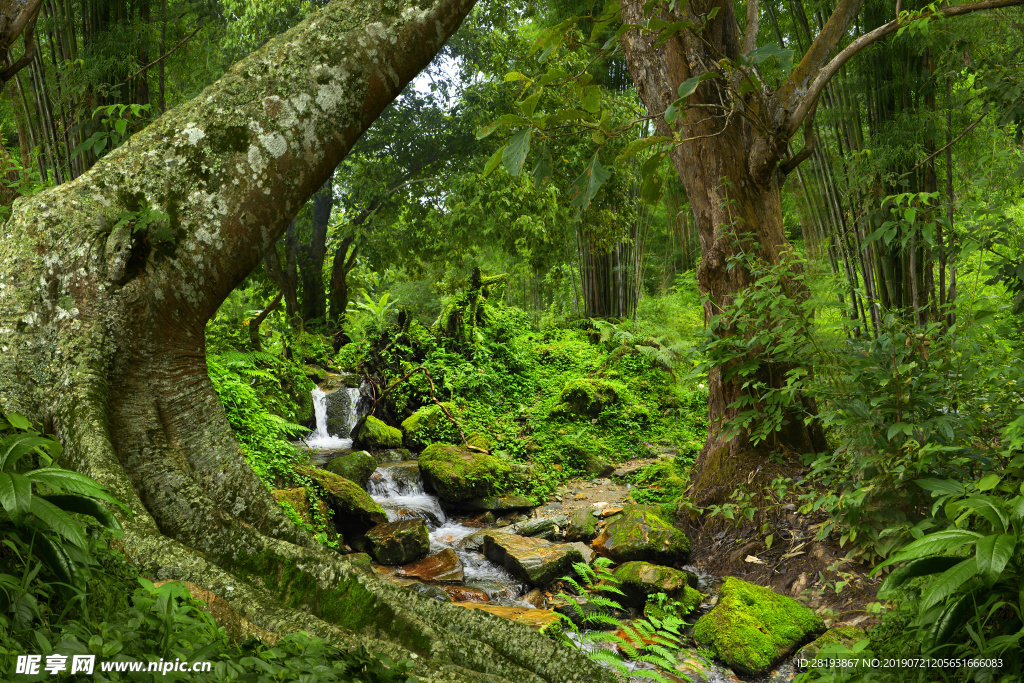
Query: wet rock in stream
[398, 542]
[444, 566]
[533, 560]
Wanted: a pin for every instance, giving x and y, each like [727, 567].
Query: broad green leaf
[65, 480]
[689, 86]
[59, 521]
[567, 115]
[552, 75]
[86, 506]
[516, 150]
[651, 182]
[54, 557]
[14, 446]
[640, 145]
[515, 76]
[989, 482]
[932, 544]
[922, 567]
[528, 105]
[493, 162]
[590, 98]
[948, 582]
[585, 187]
[542, 169]
[992, 555]
[18, 421]
[770, 51]
[15, 495]
[120, 126]
[503, 120]
[989, 509]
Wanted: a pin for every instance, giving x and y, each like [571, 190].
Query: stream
[398, 488]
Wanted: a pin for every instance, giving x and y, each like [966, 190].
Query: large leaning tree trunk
[732, 156]
[102, 335]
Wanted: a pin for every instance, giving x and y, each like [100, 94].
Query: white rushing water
[320, 438]
[398, 489]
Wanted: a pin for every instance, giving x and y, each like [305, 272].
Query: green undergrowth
[563, 399]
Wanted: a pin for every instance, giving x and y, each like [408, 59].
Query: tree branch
[165, 55]
[949, 144]
[809, 99]
[810, 141]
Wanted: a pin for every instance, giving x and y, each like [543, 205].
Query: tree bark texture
[729, 168]
[102, 335]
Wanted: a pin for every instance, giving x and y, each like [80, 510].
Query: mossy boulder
[588, 396]
[582, 526]
[427, 425]
[459, 475]
[639, 533]
[372, 434]
[300, 508]
[840, 635]
[401, 542]
[354, 511]
[355, 466]
[638, 580]
[753, 627]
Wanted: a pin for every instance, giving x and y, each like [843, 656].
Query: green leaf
[989, 482]
[60, 479]
[992, 555]
[18, 421]
[61, 522]
[87, 506]
[585, 187]
[120, 126]
[689, 86]
[542, 169]
[770, 51]
[948, 582]
[651, 183]
[528, 105]
[940, 542]
[640, 145]
[15, 495]
[590, 98]
[988, 509]
[14, 446]
[922, 567]
[552, 75]
[515, 76]
[493, 162]
[503, 120]
[516, 151]
[566, 115]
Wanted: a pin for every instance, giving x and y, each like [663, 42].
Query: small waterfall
[398, 488]
[321, 438]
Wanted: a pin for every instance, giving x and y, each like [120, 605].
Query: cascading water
[321, 438]
[398, 488]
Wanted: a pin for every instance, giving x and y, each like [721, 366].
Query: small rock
[608, 512]
[585, 550]
[638, 580]
[466, 594]
[443, 566]
[534, 618]
[535, 598]
[582, 526]
[600, 505]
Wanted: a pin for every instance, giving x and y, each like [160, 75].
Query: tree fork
[102, 335]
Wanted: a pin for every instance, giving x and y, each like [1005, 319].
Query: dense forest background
[510, 244]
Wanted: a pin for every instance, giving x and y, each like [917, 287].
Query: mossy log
[107, 283]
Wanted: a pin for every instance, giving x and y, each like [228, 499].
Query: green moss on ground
[752, 627]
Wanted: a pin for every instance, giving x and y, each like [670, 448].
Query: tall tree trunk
[102, 336]
[313, 254]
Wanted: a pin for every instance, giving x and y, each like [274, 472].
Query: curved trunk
[106, 285]
[729, 170]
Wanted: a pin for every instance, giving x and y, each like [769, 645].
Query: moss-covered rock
[639, 533]
[582, 526]
[638, 580]
[354, 511]
[394, 455]
[479, 441]
[588, 396]
[460, 475]
[355, 466]
[338, 403]
[372, 434]
[531, 559]
[842, 635]
[398, 542]
[753, 627]
[427, 425]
